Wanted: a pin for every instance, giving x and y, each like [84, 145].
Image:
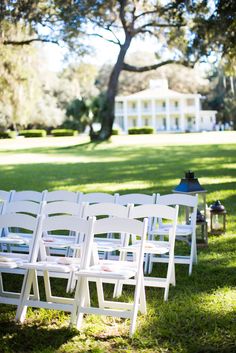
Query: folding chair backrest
[5, 195]
[97, 197]
[61, 195]
[27, 195]
[105, 209]
[62, 207]
[68, 223]
[118, 225]
[187, 201]
[136, 199]
[22, 221]
[28, 207]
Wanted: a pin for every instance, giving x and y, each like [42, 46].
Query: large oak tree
[184, 31]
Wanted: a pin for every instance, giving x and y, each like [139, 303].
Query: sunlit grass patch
[199, 316]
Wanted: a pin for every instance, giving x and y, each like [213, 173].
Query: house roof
[157, 93]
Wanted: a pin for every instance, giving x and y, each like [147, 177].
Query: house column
[167, 114]
[197, 112]
[139, 113]
[182, 122]
[125, 116]
[153, 115]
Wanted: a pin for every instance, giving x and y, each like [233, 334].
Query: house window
[176, 104]
[133, 105]
[163, 104]
[177, 123]
[134, 122]
[190, 102]
[145, 104]
[146, 121]
[164, 123]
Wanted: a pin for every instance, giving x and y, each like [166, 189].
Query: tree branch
[28, 41]
[122, 14]
[127, 67]
[108, 40]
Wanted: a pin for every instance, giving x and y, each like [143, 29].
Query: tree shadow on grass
[19, 338]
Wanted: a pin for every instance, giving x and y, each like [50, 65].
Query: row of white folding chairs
[85, 270]
[85, 211]
[79, 197]
[185, 232]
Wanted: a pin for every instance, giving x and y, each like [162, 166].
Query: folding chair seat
[12, 262]
[110, 271]
[52, 266]
[97, 197]
[61, 195]
[155, 247]
[185, 230]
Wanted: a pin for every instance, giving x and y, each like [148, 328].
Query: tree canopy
[184, 31]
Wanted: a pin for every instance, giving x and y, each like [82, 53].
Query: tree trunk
[108, 109]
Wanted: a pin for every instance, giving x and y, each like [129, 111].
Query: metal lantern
[217, 218]
[190, 185]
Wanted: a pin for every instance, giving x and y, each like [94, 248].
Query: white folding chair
[156, 247]
[185, 231]
[9, 237]
[61, 243]
[61, 195]
[111, 271]
[12, 262]
[52, 266]
[97, 197]
[107, 244]
[138, 199]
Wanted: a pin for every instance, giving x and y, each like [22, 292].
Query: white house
[163, 109]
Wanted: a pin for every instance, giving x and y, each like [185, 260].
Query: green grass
[200, 316]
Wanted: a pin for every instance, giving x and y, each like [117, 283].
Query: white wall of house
[163, 109]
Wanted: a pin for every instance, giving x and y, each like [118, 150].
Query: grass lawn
[200, 316]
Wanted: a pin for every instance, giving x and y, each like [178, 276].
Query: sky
[105, 52]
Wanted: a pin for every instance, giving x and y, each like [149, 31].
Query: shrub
[64, 132]
[115, 132]
[141, 130]
[7, 134]
[33, 133]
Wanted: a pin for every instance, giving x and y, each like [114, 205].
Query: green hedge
[64, 132]
[141, 130]
[115, 132]
[7, 134]
[33, 133]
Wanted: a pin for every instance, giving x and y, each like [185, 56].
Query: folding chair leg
[143, 306]
[118, 289]
[47, 286]
[100, 293]
[146, 263]
[25, 295]
[1, 285]
[166, 293]
[135, 306]
[82, 302]
[150, 264]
